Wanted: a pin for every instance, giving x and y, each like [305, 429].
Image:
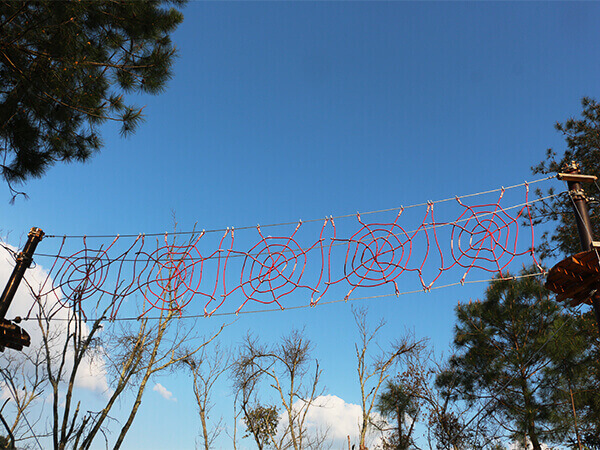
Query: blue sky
[287, 111]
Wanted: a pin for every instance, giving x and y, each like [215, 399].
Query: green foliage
[502, 357]
[5, 443]
[582, 136]
[576, 377]
[64, 69]
[572, 385]
[396, 402]
[450, 433]
[261, 423]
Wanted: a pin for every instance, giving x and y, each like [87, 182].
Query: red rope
[483, 237]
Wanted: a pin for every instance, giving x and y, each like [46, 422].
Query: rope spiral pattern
[170, 275]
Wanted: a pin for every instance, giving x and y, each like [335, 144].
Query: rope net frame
[201, 271]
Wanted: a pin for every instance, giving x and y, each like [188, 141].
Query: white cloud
[4, 391]
[333, 415]
[340, 417]
[92, 375]
[164, 392]
[517, 446]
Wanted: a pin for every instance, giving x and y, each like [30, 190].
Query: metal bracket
[576, 177]
[13, 336]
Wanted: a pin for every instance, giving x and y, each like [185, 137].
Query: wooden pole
[582, 217]
[24, 259]
[11, 335]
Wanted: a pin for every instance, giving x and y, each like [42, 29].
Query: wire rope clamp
[577, 194]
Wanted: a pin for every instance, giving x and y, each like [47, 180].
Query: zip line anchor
[11, 335]
[578, 277]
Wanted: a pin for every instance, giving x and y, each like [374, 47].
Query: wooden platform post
[11, 335]
[573, 177]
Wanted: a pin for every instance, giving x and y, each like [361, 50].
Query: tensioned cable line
[291, 308]
[425, 228]
[491, 191]
[483, 236]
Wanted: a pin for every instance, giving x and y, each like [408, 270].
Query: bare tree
[375, 367]
[450, 425]
[288, 369]
[128, 354]
[206, 367]
[22, 381]
[131, 357]
[64, 350]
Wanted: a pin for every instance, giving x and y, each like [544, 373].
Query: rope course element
[178, 273]
[308, 305]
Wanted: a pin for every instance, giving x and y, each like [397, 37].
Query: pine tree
[572, 381]
[502, 356]
[578, 377]
[582, 136]
[64, 69]
[397, 403]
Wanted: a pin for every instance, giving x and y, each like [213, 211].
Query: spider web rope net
[202, 272]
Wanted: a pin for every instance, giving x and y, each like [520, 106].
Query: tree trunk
[204, 430]
[534, 441]
[529, 404]
[399, 420]
[150, 369]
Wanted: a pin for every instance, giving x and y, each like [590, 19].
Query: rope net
[203, 271]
